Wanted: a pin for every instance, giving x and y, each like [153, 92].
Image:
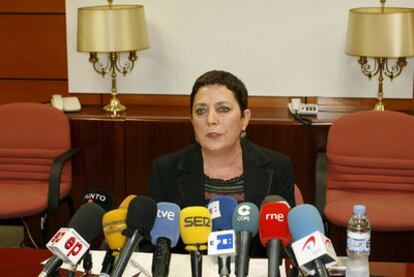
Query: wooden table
[26, 262]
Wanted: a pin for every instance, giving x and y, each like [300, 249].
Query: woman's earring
[196, 139]
[243, 134]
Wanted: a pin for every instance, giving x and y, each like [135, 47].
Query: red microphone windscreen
[273, 223]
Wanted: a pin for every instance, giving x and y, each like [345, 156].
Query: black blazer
[178, 177]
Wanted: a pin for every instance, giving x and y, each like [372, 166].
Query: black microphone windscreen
[87, 221]
[100, 197]
[141, 215]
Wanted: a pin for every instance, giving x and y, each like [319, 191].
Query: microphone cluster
[224, 229]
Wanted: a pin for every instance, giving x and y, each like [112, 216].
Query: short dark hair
[219, 77]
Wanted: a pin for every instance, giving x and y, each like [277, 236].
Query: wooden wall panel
[30, 90]
[102, 160]
[31, 6]
[32, 46]
[147, 140]
[299, 144]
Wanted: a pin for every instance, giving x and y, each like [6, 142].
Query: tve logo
[170, 215]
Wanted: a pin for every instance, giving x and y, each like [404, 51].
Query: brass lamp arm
[395, 69]
[98, 66]
[128, 65]
[366, 67]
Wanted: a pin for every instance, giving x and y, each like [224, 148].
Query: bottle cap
[359, 209]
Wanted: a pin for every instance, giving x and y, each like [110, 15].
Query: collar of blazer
[258, 176]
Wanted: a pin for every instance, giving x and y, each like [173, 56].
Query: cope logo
[197, 221]
[243, 213]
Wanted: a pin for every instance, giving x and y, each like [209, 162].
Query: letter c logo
[244, 210]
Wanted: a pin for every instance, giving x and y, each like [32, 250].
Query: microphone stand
[87, 263]
[224, 265]
[242, 258]
[274, 256]
[320, 269]
[196, 263]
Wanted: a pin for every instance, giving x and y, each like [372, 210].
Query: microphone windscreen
[167, 223]
[141, 214]
[273, 223]
[100, 197]
[113, 223]
[275, 199]
[125, 203]
[304, 220]
[246, 218]
[87, 221]
[195, 226]
[221, 209]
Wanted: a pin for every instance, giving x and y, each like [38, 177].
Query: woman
[222, 161]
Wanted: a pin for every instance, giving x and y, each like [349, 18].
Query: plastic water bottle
[358, 244]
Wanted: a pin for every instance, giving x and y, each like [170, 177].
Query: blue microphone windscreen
[167, 223]
[304, 220]
[221, 209]
[246, 218]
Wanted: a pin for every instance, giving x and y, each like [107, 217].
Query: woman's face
[217, 119]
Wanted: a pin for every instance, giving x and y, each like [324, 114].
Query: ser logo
[197, 221]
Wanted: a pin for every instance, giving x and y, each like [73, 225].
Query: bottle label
[358, 242]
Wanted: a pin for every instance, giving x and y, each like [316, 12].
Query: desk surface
[25, 262]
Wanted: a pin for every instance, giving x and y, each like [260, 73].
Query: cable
[305, 121]
[28, 233]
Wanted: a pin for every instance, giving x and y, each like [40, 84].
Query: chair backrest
[298, 196]
[31, 136]
[371, 151]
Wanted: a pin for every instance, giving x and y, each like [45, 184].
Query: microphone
[288, 250]
[274, 198]
[245, 224]
[125, 203]
[222, 244]
[164, 235]
[104, 200]
[70, 244]
[141, 214]
[274, 232]
[195, 226]
[312, 249]
[113, 223]
[100, 197]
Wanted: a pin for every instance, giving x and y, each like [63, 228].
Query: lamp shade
[373, 32]
[112, 28]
